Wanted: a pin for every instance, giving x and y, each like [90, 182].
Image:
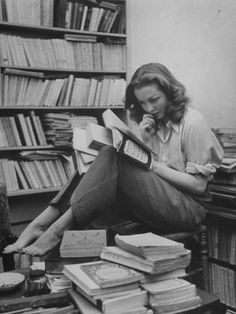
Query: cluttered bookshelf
[62, 63]
[221, 218]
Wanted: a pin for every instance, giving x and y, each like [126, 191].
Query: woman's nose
[150, 108]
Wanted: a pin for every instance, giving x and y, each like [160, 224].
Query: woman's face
[152, 100]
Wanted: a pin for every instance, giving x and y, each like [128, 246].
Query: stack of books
[172, 296]
[57, 128]
[148, 253]
[223, 186]
[110, 287]
[162, 261]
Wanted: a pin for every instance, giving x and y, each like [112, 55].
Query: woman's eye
[154, 99]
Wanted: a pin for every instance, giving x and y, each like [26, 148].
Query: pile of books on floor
[223, 186]
[138, 276]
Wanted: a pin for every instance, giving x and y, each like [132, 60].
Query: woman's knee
[106, 149]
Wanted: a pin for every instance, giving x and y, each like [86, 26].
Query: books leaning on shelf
[76, 55]
[115, 134]
[172, 296]
[59, 91]
[37, 13]
[36, 170]
[83, 243]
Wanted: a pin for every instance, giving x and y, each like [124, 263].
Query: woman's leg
[94, 194]
[34, 230]
[52, 236]
[155, 202]
[152, 199]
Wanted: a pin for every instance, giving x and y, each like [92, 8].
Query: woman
[169, 197]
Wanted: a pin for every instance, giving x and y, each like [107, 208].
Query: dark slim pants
[113, 179]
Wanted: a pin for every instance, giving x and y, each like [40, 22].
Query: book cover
[89, 286]
[127, 142]
[83, 243]
[107, 274]
[97, 136]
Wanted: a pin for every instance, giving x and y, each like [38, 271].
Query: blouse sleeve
[202, 150]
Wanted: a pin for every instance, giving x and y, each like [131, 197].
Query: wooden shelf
[19, 148]
[67, 108]
[231, 215]
[53, 30]
[57, 70]
[33, 191]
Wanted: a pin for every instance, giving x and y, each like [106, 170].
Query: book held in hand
[117, 134]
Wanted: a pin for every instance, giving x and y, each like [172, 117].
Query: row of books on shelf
[222, 243]
[99, 16]
[139, 275]
[23, 174]
[223, 283]
[32, 12]
[93, 19]
[31, 130]
[223, 186]
[21, 89]
[104, 17]
[61, 53]
[21, 130]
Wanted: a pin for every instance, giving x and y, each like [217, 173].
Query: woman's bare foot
[52, 236]
[28, 236]
[43, 244]
[34, 230]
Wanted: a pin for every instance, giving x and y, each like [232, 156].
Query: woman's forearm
[194, 184]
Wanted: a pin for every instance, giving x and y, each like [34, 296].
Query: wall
[196, 40]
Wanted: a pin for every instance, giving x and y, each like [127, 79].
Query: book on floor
[176, 273]
[134, 305]
[157, 266]
[107, 274]
[76, 274]
[173, 295]
[149, 245]
[54, 263]
[83, 243]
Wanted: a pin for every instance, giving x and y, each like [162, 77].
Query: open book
[117, 134]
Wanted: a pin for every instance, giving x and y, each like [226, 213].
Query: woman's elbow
[200, 186]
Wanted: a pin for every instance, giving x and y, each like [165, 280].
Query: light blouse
[189, 146]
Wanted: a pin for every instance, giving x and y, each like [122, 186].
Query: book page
[135, 151]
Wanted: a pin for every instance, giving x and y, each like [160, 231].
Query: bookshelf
[55, 69]
[221, 219]
[222, 253]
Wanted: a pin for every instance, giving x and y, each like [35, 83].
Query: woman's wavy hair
[156, 73]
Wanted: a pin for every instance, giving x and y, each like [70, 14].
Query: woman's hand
[147, 127]
[195, 184]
